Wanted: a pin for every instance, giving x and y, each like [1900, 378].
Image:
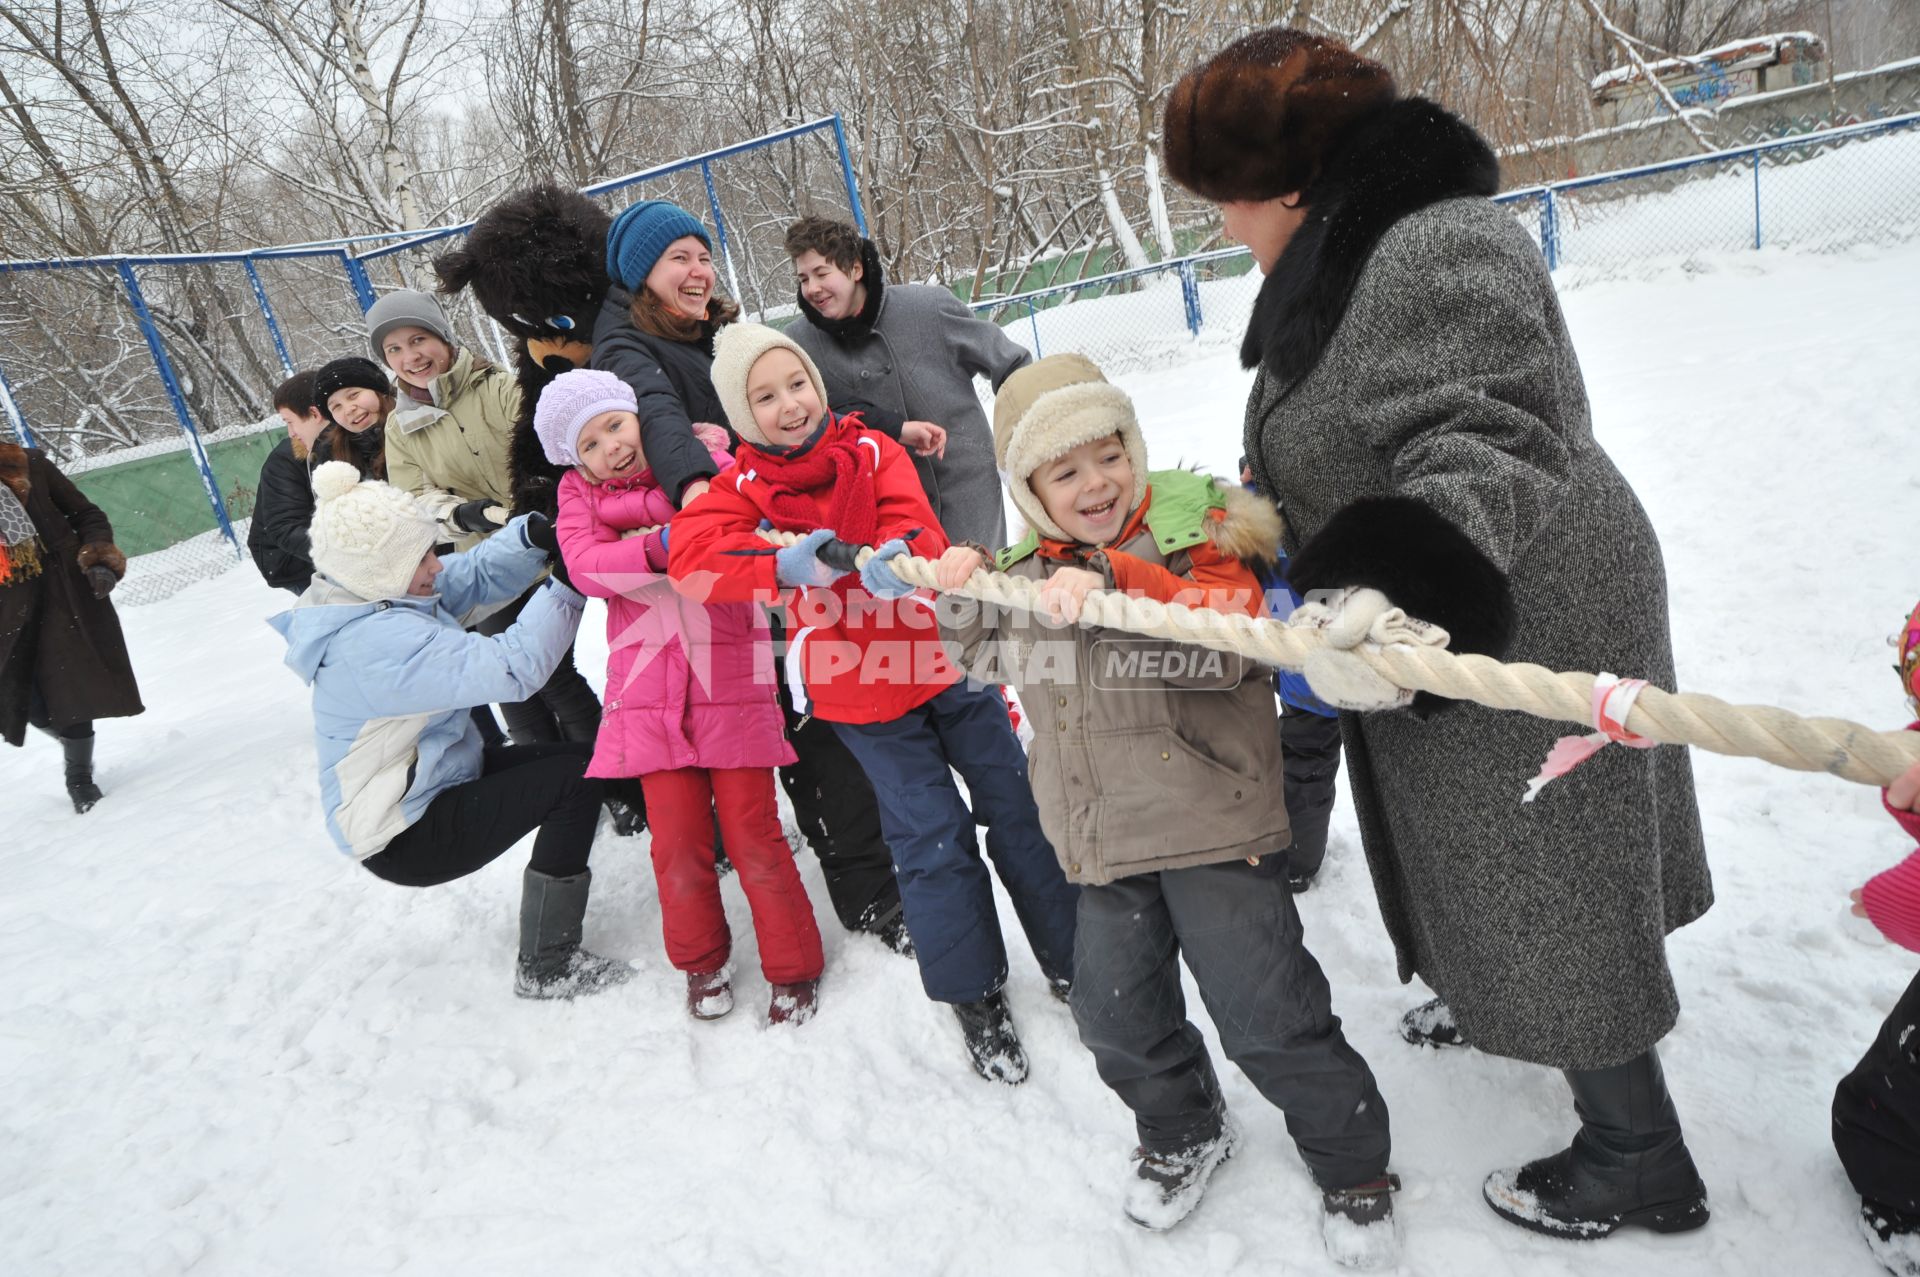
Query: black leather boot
[80, 786]
[993, 1048]
[1628, 1165]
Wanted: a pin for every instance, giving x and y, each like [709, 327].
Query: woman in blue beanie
[662, 312]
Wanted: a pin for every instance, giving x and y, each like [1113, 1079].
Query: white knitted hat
[1049, 408]
[369, 537]
[735, 351]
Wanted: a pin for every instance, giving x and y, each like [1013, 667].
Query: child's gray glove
[799, 564]
[1353, 620]
[880, 580]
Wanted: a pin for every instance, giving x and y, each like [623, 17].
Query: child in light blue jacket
[408, 787]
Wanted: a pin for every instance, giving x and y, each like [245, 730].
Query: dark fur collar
[1394, 162]
[861, 324]
[13, 469]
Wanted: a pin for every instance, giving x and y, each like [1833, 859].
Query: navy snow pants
[944, 889]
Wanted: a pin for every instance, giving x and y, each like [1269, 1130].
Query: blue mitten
[880, 579]
[799, 564]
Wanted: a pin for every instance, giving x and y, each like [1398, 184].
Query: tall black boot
[1627, 1165]
[80, 786]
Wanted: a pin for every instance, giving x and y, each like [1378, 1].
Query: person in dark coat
[656, 329]
[63, 661]
[282, 509]
[1420, 416]
[905, 356]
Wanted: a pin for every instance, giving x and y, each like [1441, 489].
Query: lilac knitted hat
[569, 402]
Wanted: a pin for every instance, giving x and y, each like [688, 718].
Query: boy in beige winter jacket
[1158, 773]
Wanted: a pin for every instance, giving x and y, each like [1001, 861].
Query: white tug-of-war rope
[1781, 737]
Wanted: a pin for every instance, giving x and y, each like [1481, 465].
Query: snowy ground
[227, 1050]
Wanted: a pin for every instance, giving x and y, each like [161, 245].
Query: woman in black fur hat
[1420, 415]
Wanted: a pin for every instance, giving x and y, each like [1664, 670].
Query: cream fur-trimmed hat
[369, 537]
[735, 351]
[1050, 407]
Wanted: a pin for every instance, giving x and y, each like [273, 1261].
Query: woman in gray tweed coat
[1420, 416]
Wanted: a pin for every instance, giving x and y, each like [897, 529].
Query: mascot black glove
[478, 516]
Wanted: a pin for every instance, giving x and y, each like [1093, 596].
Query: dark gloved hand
[478, 516]
[540, 534]
[102, 579]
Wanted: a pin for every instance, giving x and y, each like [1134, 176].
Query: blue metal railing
[352, 253]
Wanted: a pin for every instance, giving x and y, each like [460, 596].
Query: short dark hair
[296, 394]
[836, 241]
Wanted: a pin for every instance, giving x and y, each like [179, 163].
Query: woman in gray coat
[1420, 416]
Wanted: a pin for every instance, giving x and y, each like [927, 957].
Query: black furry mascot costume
[537, 264]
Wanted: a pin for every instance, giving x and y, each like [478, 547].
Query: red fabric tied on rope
[1612, 701]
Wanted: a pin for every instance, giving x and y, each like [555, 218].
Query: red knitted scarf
[836, 462]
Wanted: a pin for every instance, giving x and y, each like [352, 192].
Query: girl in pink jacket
[690, 703]
[1876, 1108]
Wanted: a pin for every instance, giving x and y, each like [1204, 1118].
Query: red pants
[680, 810]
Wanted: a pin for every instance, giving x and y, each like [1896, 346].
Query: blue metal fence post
[1550, 229]
[1190, 296]
[357, 275]
[15, 418]
[266, 312]
[846, 172]
[720, 228]
[1033, 322]
[1756, 201]
[172, 383]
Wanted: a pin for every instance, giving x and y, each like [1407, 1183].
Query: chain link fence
[1831, 192]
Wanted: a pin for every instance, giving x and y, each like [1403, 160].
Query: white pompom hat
[367, 536]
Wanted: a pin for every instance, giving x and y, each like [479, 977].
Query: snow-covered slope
[227, 1050]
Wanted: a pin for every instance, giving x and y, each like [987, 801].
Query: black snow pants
[834, 806]
[1876, 1115]
[520, 788]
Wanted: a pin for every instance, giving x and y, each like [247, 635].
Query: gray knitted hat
[405, 309]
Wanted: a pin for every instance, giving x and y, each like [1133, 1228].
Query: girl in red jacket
[690, 704]
[865, 655]
[1876, 1108]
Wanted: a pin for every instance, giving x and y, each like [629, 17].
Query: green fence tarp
[156, 502]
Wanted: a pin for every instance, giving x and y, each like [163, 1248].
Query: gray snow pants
[1237, 927]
